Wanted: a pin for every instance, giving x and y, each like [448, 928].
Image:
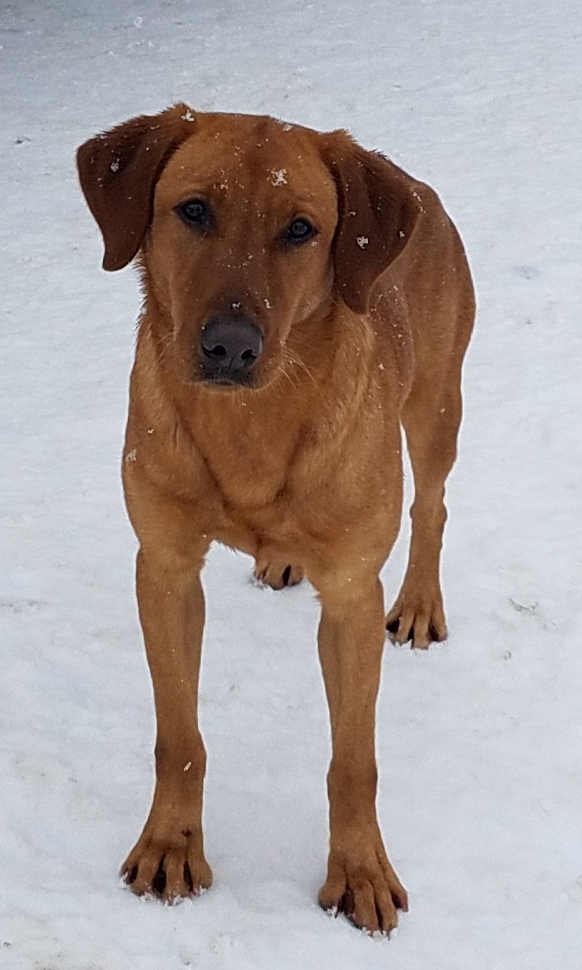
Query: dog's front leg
[360, 880]
[168, 860]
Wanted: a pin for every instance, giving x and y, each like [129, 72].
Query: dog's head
[246, 229]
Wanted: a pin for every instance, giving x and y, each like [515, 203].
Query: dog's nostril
[218, 351]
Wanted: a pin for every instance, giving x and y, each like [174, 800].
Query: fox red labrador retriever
[304, 298]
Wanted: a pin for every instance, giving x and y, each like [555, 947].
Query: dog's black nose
[231, 346]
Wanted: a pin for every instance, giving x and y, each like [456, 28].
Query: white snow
[480, 740]
[279, 177]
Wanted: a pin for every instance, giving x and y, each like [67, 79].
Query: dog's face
[247, 229]
[239, 247]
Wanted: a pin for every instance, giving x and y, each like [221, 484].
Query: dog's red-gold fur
[363, 327]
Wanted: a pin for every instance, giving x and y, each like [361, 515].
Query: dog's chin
[229, 384]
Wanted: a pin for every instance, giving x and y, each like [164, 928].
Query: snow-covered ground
[480, 740]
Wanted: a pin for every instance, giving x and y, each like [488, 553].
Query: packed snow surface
[480, 739]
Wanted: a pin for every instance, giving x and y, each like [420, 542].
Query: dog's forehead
[234, 152]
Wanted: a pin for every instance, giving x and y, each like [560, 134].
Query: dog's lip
[224, 383]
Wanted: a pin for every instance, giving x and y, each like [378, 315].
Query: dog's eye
[195, 212]
[300, 231]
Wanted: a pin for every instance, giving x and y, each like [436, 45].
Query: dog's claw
[418, 618]
[277, 575]
[365, 889]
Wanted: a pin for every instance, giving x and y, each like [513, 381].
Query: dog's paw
[277, 575]
[363, 886]
[166, 871]
[418, 617]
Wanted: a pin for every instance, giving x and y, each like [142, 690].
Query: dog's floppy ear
[377, 211]
[118, 171]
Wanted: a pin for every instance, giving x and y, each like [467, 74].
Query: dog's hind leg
[431, 419]
[277, 575]
[273, 569]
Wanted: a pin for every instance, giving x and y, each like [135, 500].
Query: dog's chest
[279, 474]
[248, 478]
[264, 483]
[247, 465]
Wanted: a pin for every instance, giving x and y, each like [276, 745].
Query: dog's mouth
[224, 382]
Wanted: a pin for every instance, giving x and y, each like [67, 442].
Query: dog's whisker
[294, 360]
[165, 343]
[289, 375]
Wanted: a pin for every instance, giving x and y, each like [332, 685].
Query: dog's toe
[277, 575]
[166, 872]
[364, 887]
[418, 617]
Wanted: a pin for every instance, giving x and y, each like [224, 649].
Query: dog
[304, 299]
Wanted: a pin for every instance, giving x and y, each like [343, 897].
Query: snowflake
[278, 178]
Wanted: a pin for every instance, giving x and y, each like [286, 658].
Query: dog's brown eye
[195, 212]
[300, 231]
